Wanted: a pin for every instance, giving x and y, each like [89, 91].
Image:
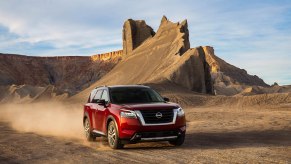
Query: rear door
[101, 113]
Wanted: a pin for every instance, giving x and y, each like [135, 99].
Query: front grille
[149, 116]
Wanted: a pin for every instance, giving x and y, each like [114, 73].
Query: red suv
[132, 113]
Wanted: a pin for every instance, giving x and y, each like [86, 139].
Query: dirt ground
[214, 135]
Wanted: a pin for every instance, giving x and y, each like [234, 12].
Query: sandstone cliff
[134, 34]
[164, 58]
[228, 79]
[193, 72]
[109, 56]
[69, 74]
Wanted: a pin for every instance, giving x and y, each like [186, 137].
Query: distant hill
[67, 74]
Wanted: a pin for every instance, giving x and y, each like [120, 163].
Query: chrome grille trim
[142, 121]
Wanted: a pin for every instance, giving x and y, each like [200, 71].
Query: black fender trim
[86, 115]
[114, 120]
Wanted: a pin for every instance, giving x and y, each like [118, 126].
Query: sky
[254, 35]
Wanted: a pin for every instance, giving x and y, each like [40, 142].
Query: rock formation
[29, 93]
[193, 71]
[228, 79]
[134, 33]
[164, 58]
[237, 75]
[69, 74]
[184, 32]
[109, 56]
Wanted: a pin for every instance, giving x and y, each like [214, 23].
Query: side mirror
[94, 101]
[166, 99]
[101, 102]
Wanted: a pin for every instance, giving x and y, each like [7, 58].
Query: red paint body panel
[129, 126]
[100, 115]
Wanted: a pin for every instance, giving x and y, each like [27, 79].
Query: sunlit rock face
[193, 72]
[109, 56]
[162, 58]
[167, 56]
[134, 33]
[229, 79]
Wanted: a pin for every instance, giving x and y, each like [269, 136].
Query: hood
[150, 106]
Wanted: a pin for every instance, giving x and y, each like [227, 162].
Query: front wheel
[112, 135]
[179, 141]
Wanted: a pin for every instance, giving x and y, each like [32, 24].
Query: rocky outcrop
[109, 56]
[69, 74]
[236, 75]
[134, 33]
[183, 43]
[164, 58]
[228, 79]
[29, 93]
[192, 71]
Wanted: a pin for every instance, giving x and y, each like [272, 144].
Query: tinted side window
[98, 95]
[105, 96]
[93, 93]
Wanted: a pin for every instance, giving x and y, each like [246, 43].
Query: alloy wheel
[111, 135]
[87, 128]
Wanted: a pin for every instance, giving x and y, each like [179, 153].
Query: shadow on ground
[225, 140]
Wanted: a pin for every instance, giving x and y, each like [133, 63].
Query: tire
[179, 141]
[112, 135]
[87, 129]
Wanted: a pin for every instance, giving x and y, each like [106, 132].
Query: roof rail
[101, 86]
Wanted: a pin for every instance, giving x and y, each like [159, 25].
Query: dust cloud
[51, 118]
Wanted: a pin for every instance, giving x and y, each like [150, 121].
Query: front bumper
[154, 136]
[132, 130]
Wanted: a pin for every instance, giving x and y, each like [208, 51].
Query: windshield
[127, 95]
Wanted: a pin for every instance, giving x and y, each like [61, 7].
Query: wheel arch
[86, 115]
[108, 120]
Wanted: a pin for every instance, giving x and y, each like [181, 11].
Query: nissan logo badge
[159, 115]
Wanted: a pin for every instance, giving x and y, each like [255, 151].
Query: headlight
[180, 112]
[128, 114]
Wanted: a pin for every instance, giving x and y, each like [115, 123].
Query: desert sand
[52, 133]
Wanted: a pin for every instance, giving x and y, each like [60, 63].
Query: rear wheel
[179, 141]
[87, 129]
[112, 135]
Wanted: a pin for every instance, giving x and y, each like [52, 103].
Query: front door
[101, 113]
[94, 107]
